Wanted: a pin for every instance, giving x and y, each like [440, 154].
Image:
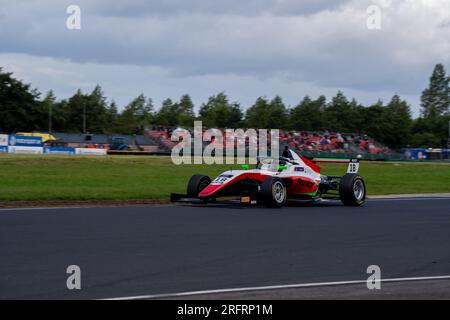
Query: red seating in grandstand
[315, 142]
[333, 142]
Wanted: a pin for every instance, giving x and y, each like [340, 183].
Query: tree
[218, 112]
[86, 112]
[255, 115]
[277, 115]
[375, 124]
[436, 98]
[338, 114]
[424, 140]
[48, 105]
[112, 117]
[308, 115]
[168, 114]
[20, 108]
[434, 129]
[73, 110]
[355, 119]
[175, 114]
[431, 129]
[186, 114]
[136, 116]
[398, 123]
[97, 111]
[267, 115]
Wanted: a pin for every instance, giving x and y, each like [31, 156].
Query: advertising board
[25, 141]
[25, 150]
[89, 151]
[59, 150]
[4, 138]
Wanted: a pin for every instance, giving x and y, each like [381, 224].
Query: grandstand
[325, 143]
[333, 142]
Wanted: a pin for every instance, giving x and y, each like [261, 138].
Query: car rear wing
[353, 164]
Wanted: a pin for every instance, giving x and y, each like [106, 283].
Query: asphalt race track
[132, 251]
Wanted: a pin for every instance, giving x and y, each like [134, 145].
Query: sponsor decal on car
[222, 179]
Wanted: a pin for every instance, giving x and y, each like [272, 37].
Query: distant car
[118, 143]
[275, 181]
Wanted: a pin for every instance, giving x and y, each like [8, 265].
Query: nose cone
[209, 190]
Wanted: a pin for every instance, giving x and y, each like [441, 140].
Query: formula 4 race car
[275, 181]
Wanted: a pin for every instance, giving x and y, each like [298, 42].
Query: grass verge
[53, 177]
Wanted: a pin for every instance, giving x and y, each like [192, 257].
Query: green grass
[56, 177]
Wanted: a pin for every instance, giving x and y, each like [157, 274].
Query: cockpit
[274, 164]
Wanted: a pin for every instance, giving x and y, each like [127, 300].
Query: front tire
[352, 190]
[196, 184]
[274, 193]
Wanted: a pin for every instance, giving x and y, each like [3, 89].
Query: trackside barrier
[21, 144]
[25, 150]
[4, 139]
[59, 150]
[414, 153]
[52, 150]
[25, 141]
[359, 155]
[89, 151]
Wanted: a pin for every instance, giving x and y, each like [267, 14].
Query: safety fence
[34, 145]
[410, 155]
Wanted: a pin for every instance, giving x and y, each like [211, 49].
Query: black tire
[352, 190]
[197, 183]
[273, 192]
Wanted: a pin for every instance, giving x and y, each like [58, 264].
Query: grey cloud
[64, 77]
[139, 8]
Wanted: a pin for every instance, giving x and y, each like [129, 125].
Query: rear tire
[352, 190]
[274, 193]
[196, 184]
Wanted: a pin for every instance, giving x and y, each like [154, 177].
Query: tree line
[23, 109]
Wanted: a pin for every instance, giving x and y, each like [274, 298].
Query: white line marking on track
[265, 288]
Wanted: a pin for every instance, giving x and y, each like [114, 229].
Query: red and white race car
[275, 181]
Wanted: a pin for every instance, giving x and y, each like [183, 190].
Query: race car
[275, 181]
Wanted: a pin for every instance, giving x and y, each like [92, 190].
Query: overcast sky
[165, 48]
